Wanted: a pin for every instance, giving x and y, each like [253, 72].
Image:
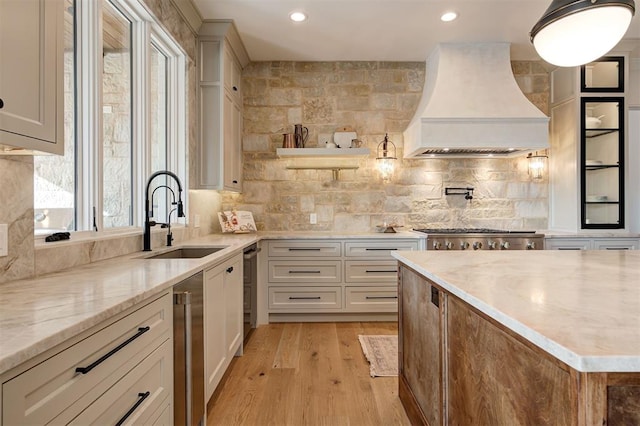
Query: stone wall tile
[383, 102]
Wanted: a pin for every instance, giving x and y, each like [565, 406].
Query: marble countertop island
[582, 307]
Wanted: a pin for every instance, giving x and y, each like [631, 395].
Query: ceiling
[377, 30]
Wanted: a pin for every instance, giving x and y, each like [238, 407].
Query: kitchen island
[542, 337]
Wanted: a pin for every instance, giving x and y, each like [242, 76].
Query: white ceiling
[377, 30]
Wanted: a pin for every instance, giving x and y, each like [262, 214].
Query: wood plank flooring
[306, 374]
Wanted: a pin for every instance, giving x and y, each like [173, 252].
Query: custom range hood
[472, 107]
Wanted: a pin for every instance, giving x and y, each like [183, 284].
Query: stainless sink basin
[187, 253]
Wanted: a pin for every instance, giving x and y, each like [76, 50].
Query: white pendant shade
[582, 37]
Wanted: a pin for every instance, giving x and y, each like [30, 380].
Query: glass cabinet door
[602, 165]
[604, 75]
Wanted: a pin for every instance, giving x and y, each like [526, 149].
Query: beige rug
[382, 353]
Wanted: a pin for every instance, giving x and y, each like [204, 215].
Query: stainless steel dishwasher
[188, 351]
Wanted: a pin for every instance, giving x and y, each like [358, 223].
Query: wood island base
[460, 367]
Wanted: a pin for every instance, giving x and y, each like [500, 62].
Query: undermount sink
[187, 253]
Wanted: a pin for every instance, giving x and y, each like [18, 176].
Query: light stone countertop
[39, 313]
[582, 307]
[588, 233]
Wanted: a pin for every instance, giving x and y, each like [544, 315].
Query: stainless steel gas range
[481, 239]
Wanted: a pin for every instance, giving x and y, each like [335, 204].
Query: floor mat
[382, 353]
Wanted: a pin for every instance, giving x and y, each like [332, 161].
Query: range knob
[492, 245]
[477, 245]
[464, 245]
[505, 245]
[448, 245]
[531, 245]
[437, 245]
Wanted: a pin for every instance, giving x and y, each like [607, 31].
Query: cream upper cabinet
[591, 147]
[31, 75]
[221, 56]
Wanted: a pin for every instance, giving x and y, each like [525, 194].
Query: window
[54, 177]
[124, 119]
[116, 118]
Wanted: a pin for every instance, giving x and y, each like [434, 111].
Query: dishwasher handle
[250, 254]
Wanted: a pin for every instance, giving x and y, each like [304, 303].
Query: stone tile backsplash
[372, 98]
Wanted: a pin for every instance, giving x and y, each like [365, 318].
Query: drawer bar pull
[94, 364]
[305, 298]
[381, 297]
[141, 397]
[380, 249]
[304, 249]
[373, 271]
[304, 272]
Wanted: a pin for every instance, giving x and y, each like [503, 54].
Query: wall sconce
[537, 164]
[576, 32]
[386, 158]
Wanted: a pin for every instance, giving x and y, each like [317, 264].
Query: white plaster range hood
[472, 107]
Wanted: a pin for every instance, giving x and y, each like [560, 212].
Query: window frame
[146, 31]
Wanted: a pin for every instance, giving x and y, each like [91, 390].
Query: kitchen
[505, 197]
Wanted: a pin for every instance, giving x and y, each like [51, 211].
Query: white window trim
[89, 124]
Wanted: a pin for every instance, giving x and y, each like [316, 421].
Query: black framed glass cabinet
[602, 162]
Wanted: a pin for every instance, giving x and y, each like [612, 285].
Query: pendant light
[576, 32]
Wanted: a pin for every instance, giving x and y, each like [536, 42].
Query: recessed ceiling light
[298, 16]
[448, 16]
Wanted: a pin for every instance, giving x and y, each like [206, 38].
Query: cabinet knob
[230, 269]
[235, 88]
[1, 103]
[235, 182]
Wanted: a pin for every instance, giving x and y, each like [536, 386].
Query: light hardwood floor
[306, 374]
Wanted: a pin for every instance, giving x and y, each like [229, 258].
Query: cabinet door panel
[210, 137]
[233, 290]
[497, 380]
[214, 317]
[31, 70]
[421, 342]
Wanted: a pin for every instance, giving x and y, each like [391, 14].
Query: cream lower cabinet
[223, 314]
[620, 243]
[120, 371]
[334, 278]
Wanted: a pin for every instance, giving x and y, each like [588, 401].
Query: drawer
[377, 248]
[304, 248]
[567, 244]
[305, 298]
[615, 244]
[371, 271]
[163, 417]
[371, 299]
[137, 397]
[54, 389]
[305, 271]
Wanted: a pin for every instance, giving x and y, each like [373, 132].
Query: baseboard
[334, 317]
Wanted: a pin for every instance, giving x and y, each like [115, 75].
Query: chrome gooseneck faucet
[147, 206]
